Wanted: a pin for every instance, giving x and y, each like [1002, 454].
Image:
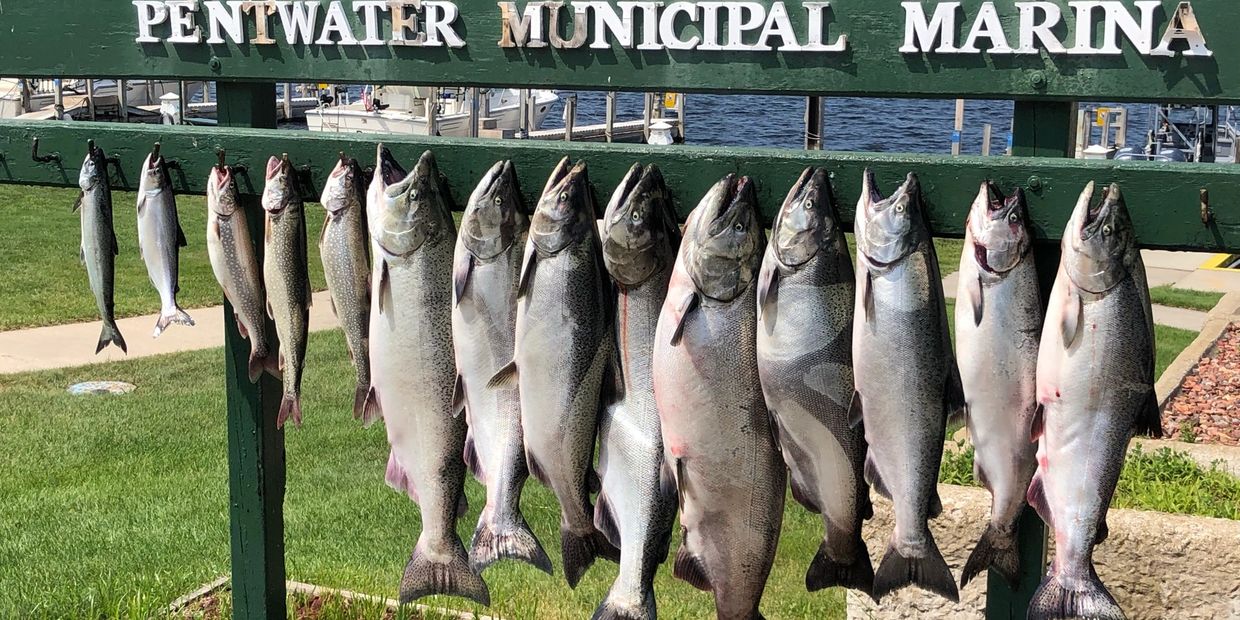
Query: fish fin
[974, 286]
[460, 276]
[929, 572]
[802, 496]
[396, 477]
[612, 609]
[290, 409]
[867, 296]
[593, 483]
[768, 286]
[1070, 325]
[359, 401]
[462, 505]
[683, 310]
[471, 458]
[515, 541]
[667, 480]
[605, 520]
[331, 303]
[872, 477]
[1038, 425]
[1149, 419]
[935, 507]
[506, 377]
[854, 410]
[141, 202]
[682, 482]
[824, 572]
[178, 316]
[371, 411]
[274, 365]
[256, 366]
[327, 218]
[428, 574]
[1036, 497]
[536, 470]
[245, 333]
[1092, 600]
[82, 254]
[528, 267]
[271, 313]
[385, 283]
[580, 550]
[116, 247]
[995, 550]
[954, 403]
[1103, 532]
[458, 396]
[111, 334]
[691, 569]
[77, 204]
[181, 240]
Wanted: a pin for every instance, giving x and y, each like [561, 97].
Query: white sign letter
[1183, 27]
[1085, 27]
[150, 13]
[920, 35]
[620, 24]
[523, 29]
[817, 29]
[738, 25]
[650, 25]
[336, 23]
[439, 18]
[298, 20]
[987, 26]
[403, 22]
[227, 19]
[1031, 28]
[1119, 19]
[778, 25]
[181, 20]
[667, 26]
[370, 17]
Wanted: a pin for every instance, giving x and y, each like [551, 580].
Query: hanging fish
[287, 277]
[99, 248]
[160, 239]
[345, 251]
[231, 251]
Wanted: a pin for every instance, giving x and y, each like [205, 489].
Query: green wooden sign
[1108, 50]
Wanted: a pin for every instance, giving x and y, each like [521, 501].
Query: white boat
[40, 94]
[402, 110]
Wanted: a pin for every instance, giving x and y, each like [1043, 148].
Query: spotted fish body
[906, 378]
[805, 311]
[231, 251]
[344, 248]
[413, 376]
[486, 269]
[160, 238]
[719, 440]
[634, 509]
[564, 347]
[998, 324]
[1095, 382]
[99, 248]
[287, 278]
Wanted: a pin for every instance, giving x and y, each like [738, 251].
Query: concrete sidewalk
[66, 346]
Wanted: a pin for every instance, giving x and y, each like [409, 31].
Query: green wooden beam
[1164, 198]
[103, 45]
[255, 446]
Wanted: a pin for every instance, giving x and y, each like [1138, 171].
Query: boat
[22, 97]
[403, 110]
[1189, 133]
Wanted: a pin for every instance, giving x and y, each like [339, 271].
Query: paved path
[65, 346]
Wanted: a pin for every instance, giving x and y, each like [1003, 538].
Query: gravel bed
[1207, 409]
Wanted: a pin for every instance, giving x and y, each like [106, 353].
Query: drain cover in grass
[91, 388]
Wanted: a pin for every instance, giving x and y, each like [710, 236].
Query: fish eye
[900, 208]
[1106, 230]
[808, 205]
[1013, 218]
[563, 196]
[738, 227]
[413, 194]
[636, 215]
[498, 201]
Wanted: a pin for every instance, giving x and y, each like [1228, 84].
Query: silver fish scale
[563, 346]
[805, 361]
[284, 272]
[901, 364]
[347, 271]
[719, 436]
[236, 269]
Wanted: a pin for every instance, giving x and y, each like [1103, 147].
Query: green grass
[1167, 295]
[43, 279]
[114, 506]
[1163, 481]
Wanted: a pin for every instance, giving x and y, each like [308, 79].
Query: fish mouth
[1085, 212]
[492, 178]
[154, 163]
[558, 174]
[628, 185]
[389, 170]
[275, 165]
[343, 167]
[870, 188]
[221, 178]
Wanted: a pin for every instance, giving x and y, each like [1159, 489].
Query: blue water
[851, 124]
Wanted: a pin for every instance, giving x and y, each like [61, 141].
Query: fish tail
[290, 409]
[515, 541]
[929, 571]
[825, 572]
[111, 334]
[997, 550]
[580, 550]
[447, 572]
[612, 609]
[1092, 600]
[359, 400]
[371, 410]
[258, 363]
[170, 316]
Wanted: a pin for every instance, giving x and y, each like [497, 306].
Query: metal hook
[44, 159]
[1207, 214]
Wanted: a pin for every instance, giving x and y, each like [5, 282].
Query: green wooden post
[1038, 130]
[255, 447]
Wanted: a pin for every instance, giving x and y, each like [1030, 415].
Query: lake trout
[160, 240]
[1095, 382]
[413, 376]
[635, 512]
[344, 249]
[235, 264]
[485, 272]
[564, 347]
[906, 377]
[719, 439]
[998, 324]
[287, 277]
[99, 248]
[805, 315]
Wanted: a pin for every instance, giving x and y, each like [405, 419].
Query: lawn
[114, 506]
[1167, 295]
[44, 280]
